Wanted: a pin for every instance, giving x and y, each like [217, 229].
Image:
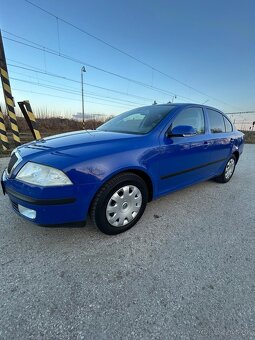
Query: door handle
[231, 139]
[206, 144]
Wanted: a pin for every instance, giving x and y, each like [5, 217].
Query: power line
[55, 96]
[65, 56]
[40, 71]
[27, 40]
[54, 52]
[75, 92]
[72, 89]
[124, 53]
[21, 63]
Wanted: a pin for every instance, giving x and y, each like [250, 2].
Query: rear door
[220, 138]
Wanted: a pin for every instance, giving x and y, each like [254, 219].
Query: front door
[183, 159]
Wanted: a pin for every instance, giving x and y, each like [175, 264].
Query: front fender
[98, 171]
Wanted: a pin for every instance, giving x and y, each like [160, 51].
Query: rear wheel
[119, 204]
[228, 171]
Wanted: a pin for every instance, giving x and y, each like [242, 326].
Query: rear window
[216, 121]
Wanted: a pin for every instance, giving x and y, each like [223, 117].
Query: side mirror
[182, 131]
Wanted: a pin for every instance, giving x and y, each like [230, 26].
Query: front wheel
[228, 171]
[119, 204]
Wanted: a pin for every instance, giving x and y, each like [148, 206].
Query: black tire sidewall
[100, 209]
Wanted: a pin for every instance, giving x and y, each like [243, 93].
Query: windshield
[137, 121]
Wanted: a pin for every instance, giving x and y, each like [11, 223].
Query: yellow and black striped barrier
[26, 109]
[10, 105]
[8, 95]
[3, 134]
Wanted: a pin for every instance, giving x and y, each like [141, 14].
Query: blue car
[111, 173]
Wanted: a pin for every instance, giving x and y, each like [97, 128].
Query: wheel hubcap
[124, 205]
[229, 168]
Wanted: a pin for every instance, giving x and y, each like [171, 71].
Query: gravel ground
[185, 271]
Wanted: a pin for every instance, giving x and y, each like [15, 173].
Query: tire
[228, 171]
[119, 204]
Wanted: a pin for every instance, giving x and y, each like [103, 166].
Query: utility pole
[83, 70]
[9, 101]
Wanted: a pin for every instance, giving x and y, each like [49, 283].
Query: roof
[187, 104]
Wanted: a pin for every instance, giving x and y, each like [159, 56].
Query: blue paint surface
[91, 158]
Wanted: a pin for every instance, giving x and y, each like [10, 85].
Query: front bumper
[55, 205]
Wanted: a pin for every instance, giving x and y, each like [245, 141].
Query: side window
[193, 116]
[216, 121]
[228, 125]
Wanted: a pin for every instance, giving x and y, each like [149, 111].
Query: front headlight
[42, 175]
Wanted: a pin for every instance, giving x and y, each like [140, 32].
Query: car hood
[67, 142]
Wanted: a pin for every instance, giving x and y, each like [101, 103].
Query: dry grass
[47, 126]
[249, 137]
[55, 124]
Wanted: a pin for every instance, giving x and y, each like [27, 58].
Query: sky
[205, 48]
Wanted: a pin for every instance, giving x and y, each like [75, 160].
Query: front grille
[12, 162]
